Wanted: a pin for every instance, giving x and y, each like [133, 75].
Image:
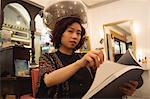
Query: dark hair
[60, 28]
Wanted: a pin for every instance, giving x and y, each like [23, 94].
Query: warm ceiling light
[75, 2]
[64, 8]
[18, 22]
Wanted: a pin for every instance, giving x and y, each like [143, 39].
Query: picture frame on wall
[86, 46]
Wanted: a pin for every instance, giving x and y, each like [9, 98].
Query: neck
[65, 50]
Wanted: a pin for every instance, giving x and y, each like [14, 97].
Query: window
[120, 46]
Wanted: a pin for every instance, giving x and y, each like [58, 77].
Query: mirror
[119, 37]
[16, 29]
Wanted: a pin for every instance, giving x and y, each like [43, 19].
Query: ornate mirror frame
[109, 37]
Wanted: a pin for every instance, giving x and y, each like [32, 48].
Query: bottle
[139, 60]
[145, 60]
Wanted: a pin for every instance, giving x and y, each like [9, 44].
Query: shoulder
[47, 58]
[47, 55]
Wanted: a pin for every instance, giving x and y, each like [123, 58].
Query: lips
[73, 42]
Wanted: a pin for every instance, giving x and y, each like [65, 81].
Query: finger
[129, 88]
[100, 60]
[133, 83]
[128, 85]
[94, 63]
[97, 52]
[90, 61]
[100, 55]
[127, 91]
[95, 59]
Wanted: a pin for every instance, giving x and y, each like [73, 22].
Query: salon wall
[136, 10]
[148, 33]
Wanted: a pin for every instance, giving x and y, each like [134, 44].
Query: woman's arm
[91, 59]
[60, 75]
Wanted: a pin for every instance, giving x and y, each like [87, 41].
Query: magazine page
[128, 59]
[105, 74]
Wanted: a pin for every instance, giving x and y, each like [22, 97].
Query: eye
[70, 30]
[79, 33]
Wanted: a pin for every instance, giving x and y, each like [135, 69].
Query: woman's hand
[92, 59]
[129, 88]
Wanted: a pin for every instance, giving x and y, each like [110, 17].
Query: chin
[72, 46]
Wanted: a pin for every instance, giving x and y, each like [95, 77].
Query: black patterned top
[75, 87]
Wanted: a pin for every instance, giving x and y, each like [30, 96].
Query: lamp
[64, 8]
[18, 20]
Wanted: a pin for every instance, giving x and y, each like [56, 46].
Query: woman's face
[71, 37]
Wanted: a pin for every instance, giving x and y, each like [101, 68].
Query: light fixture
[18, 20]
[64, 8]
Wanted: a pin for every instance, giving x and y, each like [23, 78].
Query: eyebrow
[74, 28]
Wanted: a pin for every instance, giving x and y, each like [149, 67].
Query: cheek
[64, 39]
[79, 39]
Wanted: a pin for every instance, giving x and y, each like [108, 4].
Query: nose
[74, 35]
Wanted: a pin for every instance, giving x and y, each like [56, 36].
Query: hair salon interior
[114, 25]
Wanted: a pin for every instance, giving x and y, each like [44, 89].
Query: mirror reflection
[118, 38]
[15, 29]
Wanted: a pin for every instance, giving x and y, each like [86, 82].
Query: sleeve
[46, 65]
[93, 72]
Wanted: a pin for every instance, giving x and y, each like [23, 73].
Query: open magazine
[110, 76]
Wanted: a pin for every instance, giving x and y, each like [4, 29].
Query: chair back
[35, 76]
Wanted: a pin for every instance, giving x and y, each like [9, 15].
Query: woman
[64, 73]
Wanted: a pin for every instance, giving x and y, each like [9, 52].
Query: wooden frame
[108, 47]
[86, 46]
